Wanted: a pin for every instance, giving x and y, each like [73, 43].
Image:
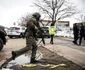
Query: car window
[14, 28]
[23, 28]
[44, 28]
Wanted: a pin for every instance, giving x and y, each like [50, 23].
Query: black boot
[75, 42]
[33, 60]
[13, 55]
[51, 42]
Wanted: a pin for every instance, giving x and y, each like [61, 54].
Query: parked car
[3, 37]
[16, 31]
[45, 32]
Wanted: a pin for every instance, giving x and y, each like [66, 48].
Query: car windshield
[46, 28]
[14, 28]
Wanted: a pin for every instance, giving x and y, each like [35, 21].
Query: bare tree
[56, 9]
[23, 19]
[80, 18]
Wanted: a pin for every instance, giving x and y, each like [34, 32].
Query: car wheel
[10, 36]
[21, 35]
[1, 44]
[48, 36]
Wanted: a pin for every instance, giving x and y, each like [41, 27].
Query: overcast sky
[11, 10]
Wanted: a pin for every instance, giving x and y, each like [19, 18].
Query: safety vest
[25, 28]
[51, 30]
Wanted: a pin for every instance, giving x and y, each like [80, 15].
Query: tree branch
[50, 15]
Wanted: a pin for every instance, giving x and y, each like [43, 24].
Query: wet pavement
[44, 56]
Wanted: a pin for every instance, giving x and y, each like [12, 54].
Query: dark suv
[45, 32]
[3, 35]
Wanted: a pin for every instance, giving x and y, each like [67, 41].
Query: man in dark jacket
[82, 32]
[75, 32]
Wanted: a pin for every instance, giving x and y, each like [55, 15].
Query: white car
[16, 31]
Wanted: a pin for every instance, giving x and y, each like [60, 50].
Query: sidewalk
[69, 53]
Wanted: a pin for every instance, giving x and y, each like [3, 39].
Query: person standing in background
[52, 32]
[75, 32]
[82, 32]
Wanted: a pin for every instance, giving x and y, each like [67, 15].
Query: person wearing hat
[32, 28]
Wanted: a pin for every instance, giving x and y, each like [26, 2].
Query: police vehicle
[16, 31]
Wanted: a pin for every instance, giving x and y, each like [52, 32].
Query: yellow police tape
[28, 65]
[55, 66]
[52, 66]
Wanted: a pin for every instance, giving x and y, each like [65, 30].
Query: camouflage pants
[31, 43]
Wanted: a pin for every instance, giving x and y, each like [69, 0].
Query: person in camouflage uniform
[32, 28]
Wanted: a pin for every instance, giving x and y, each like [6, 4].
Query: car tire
[10, 36]
[21, 35]
[1, 44]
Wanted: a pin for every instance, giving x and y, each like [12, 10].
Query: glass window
[23, 28]
[14, 28]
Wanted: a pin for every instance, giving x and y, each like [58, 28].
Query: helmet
[37, 15]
